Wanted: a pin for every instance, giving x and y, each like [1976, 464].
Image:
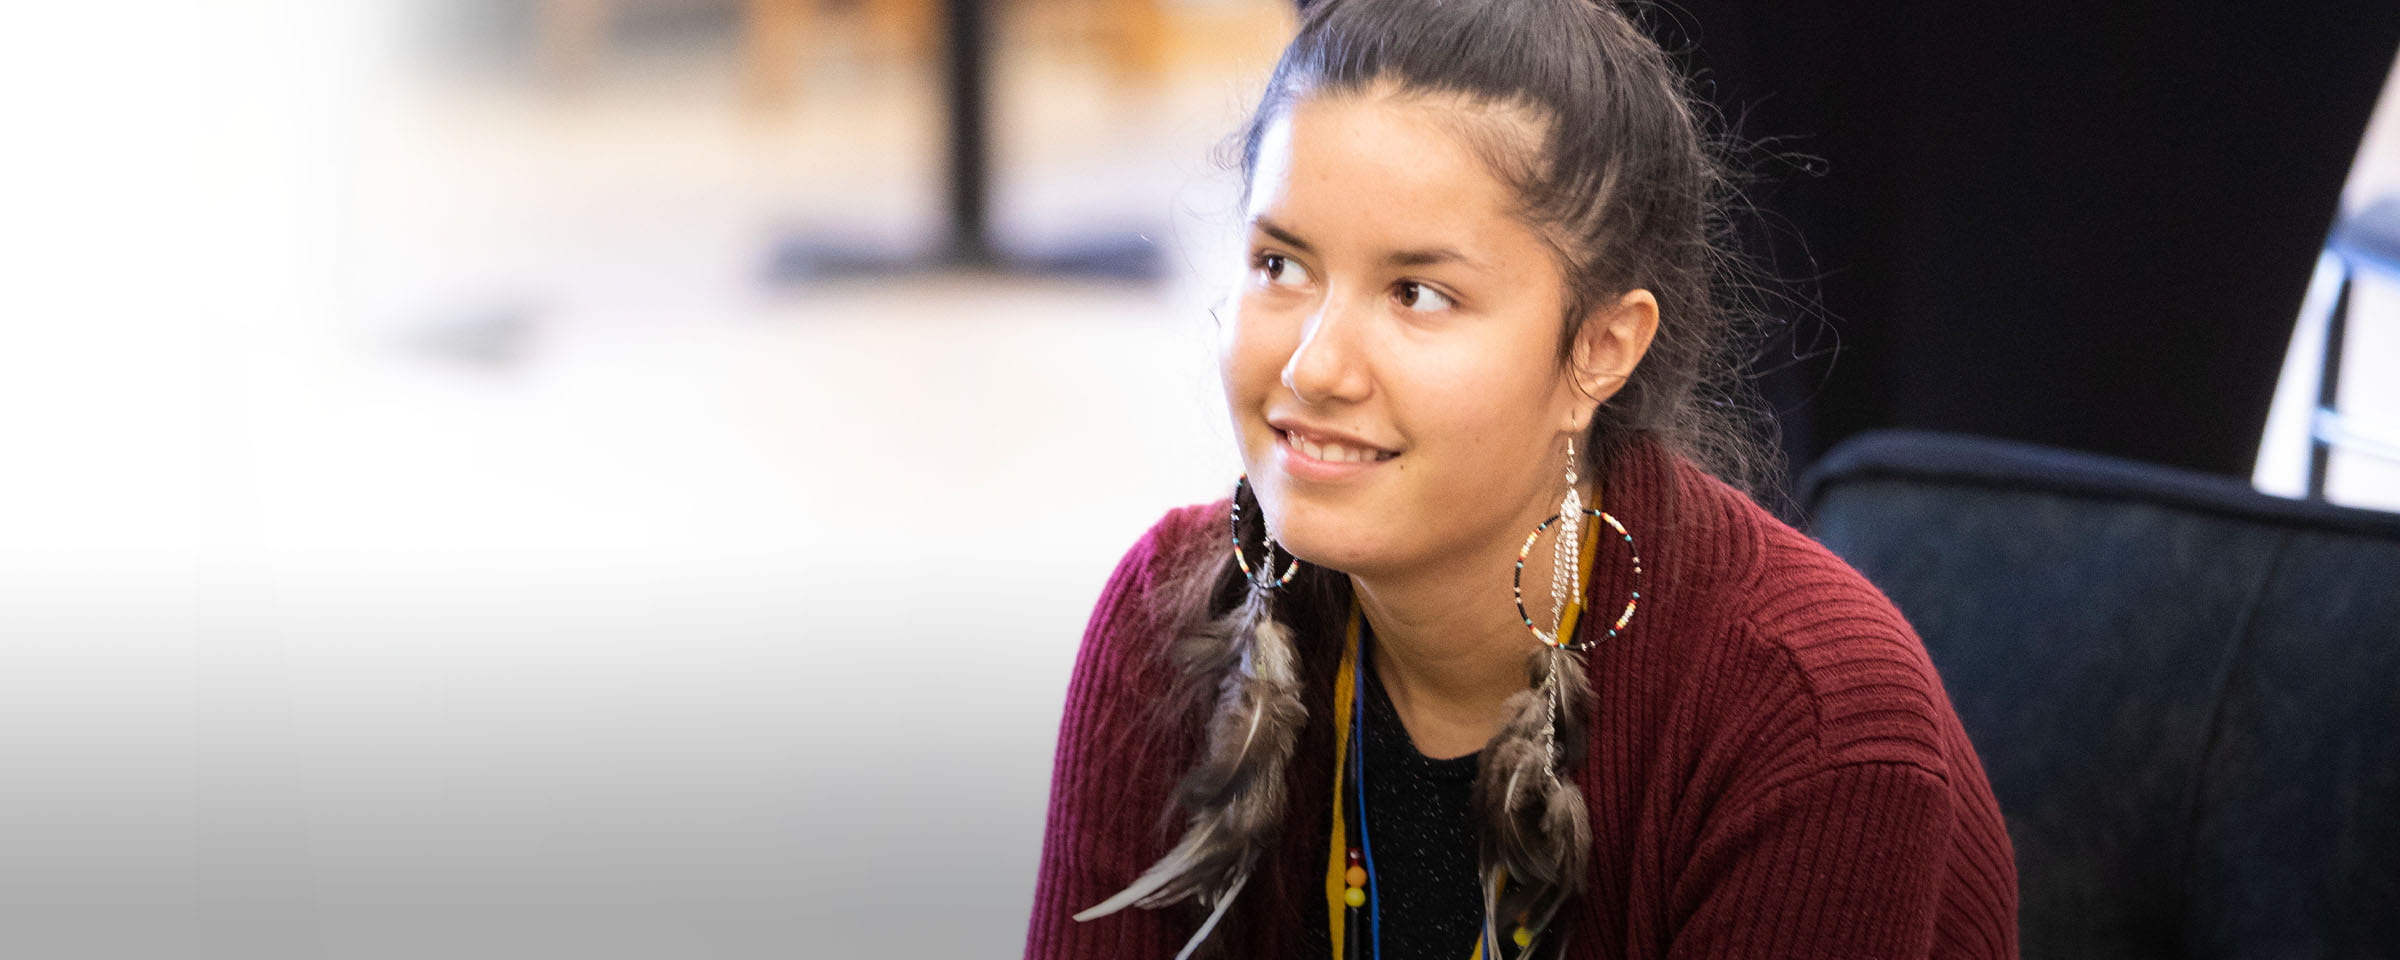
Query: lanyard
[1348, 767]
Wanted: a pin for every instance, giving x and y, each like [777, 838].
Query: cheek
[1252, 348]
[1477, 395]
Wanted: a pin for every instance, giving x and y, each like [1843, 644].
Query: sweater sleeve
[1107, 785]
[1841, 862]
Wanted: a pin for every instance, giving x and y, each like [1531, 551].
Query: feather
[1223, 901]
[1176, 863]
[1491, 906]
[1566, 820]
[1540, 923]
[1535, 823]
[1236, 792]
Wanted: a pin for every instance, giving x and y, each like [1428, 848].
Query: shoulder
[1121, 747]
[1177, 540]
[1128, 631]
[1827, 643]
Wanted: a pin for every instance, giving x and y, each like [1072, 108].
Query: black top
[1421, 834]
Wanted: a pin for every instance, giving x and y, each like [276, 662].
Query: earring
[1563, 584]
[1533, 810]
[1264, 578]
[1566, 561]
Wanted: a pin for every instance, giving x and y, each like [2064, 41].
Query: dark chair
[2187, 693]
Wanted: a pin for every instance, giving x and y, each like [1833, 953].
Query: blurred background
[488, 478]
[477, 488]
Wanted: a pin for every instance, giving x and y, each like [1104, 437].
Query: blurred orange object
[776, 35]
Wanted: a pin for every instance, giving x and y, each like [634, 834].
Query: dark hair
[1618, 174]
[1625, 185]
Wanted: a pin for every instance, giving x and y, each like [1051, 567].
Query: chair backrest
[2186, 693]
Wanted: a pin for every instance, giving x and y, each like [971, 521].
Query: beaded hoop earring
[1265, 580]
[1517, 584]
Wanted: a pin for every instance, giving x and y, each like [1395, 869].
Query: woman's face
[1391, 362]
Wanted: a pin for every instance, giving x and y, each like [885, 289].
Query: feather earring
[1236, 793]
[1536, 828]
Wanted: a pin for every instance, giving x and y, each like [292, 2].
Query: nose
[1327, 366]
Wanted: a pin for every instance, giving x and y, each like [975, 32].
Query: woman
[1481, 379]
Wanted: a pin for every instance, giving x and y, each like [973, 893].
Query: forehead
[1389, 167]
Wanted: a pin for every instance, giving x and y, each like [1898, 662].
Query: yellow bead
[1524, 936]
[1357, 876]
[1355, 896]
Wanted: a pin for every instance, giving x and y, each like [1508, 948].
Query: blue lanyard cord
[1358, 768]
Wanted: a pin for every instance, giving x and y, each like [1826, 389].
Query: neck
[1449, 647]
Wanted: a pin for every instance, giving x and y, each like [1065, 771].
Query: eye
[1413, 293]
[1279, 268]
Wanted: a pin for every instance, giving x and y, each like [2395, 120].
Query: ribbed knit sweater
[1773, 769]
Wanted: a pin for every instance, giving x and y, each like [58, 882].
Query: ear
[1611, 344]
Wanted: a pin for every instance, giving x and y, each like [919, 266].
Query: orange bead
[1357, 876]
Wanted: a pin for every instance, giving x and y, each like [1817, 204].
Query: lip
[1284, 423]
[1300, 466]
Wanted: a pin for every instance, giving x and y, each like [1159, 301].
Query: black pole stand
[968, 246]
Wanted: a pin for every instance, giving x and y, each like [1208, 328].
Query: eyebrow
[1397, 258]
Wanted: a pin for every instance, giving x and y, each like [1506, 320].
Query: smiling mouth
[1334, 452]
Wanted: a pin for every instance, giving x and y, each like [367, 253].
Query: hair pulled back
[1591, 125]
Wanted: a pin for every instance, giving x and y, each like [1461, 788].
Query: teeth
[1332, 452]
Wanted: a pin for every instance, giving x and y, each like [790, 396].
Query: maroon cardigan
[1774, 769]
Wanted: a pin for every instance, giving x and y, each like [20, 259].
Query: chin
[1327, 537]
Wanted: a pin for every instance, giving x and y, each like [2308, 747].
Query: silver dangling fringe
[1566, 558]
